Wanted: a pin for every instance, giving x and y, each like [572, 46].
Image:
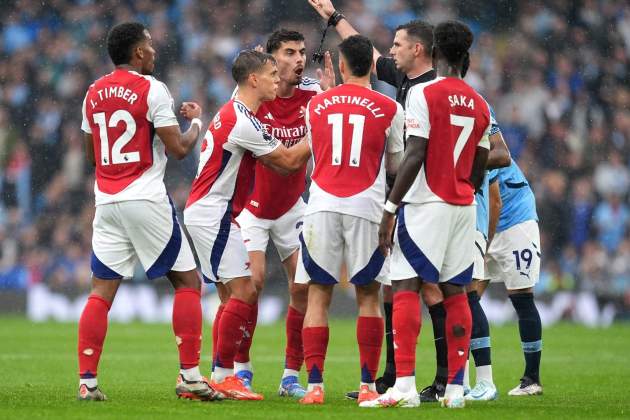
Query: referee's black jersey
[387, 72]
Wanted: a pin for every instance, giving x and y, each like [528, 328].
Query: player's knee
[299, 296]
[432, 294]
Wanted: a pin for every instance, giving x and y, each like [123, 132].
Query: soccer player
[447, 127]
[410, 64]
[275, 208]
[514, 259]
[233, 142]
[484, 389]
[129, 127]
[356, 136]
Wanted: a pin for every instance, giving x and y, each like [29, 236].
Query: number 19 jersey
[122, 110]
[350, 128]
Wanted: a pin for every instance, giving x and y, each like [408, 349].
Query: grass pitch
[585, 373]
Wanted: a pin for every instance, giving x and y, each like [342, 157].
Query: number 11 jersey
[350, 128]
[122, 110]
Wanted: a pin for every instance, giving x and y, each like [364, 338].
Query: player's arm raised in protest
[179, 144]
[326, 9]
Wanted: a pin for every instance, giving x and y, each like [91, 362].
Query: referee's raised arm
[334, 18]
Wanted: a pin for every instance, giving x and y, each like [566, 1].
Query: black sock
[480, 337]
[438, 319]
[390, 363]
[531, 332]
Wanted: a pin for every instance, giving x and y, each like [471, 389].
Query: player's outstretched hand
[327, 76]
[190, 110]
[325, 8]
[385, 232]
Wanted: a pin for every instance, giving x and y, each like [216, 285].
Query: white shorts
[329, 240]
[143, 230]
[479, 267]
[514, 256]
[435, 242]
[221, 251]
[284, 231]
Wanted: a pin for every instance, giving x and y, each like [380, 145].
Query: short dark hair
[248, 62]
[121, 40]
[358, 52]
[282, 35]
[420, 30]
[453, 40]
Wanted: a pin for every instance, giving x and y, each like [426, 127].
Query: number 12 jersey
[122, 110]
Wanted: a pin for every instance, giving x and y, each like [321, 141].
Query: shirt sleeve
[494, 125]
[85, 124]
[307, 123]
[395, 141]
[250, 135]
[485, 139]
[160, 104]
[387, 72]
[417, 118]
[493, 176]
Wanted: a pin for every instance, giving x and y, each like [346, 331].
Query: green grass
[585, 373]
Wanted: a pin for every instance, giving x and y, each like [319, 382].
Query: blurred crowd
[556, 72]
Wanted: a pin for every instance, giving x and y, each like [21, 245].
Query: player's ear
[253, 79]
[138, 52]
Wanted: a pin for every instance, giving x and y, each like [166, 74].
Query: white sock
[453, 390]
[192, 374]
[371, 385]
[485, 373]
[90, 382]
[405, 383]
[467, 375]
[311, 386]
[238, 367]
[221, 373]
[290, 372]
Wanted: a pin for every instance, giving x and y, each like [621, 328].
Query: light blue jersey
[519, 203]
[483, 195]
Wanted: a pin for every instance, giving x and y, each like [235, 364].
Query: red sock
[315, 341]
[92, 331]
[370, 331]
[294, 353]
[215, 333]
[187, 326]
[406, 322]
[458, 328]
[233, 323]
[242, 356]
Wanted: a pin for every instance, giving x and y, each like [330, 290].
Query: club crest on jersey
[461, 100]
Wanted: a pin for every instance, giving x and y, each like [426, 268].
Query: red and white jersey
[455, 119]
[350, 128]
[275, 194]
[225, 175]
[122, 110]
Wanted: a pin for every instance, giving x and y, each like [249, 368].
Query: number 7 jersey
[455, 119]
[350, 128]
[122, 110]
